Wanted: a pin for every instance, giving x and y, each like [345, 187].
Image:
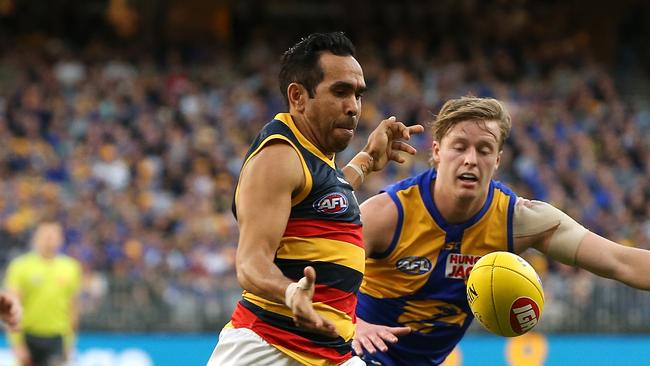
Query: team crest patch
[332, 203]
[414, 265]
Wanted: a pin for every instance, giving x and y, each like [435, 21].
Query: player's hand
[304, 314]
[373, 337]
[388, 139]
[11, 311]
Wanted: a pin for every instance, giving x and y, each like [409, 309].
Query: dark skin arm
[267, 183]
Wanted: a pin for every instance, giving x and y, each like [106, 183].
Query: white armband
[536, 217]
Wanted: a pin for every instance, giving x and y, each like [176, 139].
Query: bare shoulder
[379, 216]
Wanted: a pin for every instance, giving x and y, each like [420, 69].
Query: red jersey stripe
[334, 230]
[340, 300]
[243, 317]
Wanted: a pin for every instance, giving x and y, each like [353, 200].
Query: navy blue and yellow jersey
[323, 231]
[419, 281]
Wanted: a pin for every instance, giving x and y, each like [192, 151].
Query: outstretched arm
[551, 231]
[606, 258]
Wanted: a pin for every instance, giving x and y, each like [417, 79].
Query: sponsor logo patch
[459, 266]
[414, 265]
[332, 203]
[524, 314]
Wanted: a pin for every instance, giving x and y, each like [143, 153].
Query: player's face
[466, 158]
[48, 239]
[334, 111]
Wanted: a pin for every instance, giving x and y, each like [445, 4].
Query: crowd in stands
[138, 157]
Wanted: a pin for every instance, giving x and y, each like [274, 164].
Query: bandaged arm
[572, 244]
[535, 218]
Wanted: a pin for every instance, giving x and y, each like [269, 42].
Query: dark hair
[300, 63]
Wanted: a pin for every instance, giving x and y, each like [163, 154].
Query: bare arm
[263, 206]
[567, 241]
[606, 258]
[379, 216]
[266, 186]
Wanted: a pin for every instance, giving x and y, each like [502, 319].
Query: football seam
[494, 305]
[527, 279]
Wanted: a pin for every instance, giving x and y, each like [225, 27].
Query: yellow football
[505, 294]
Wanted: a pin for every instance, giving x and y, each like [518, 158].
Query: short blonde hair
[470, 108]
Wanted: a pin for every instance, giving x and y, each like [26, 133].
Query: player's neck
[307, 130]
[454, 209]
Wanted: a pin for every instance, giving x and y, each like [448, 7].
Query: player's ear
[498, 160]
[435, 152]
[297, 95]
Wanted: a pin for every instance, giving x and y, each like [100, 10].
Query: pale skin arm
[384, 145]
[600, 256]
[379, 216]
[609, 259]
[266, 185]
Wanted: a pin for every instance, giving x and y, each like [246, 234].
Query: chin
[340, 145]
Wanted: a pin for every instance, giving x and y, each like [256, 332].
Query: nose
[352, 106]
[470, 157]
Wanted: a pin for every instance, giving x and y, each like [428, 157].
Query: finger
[415, 129]
[398, 129]
[310, 274]
[367, 344]
[378, 343]
[329, 328]
[395, 156]
[403, 146]
[356, 346]
[388, 336]
[400, 331]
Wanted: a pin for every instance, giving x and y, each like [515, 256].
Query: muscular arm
[606, 258]
[379, 217]
[544, 227]
[263, 206]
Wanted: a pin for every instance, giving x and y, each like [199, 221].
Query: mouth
[468, 178]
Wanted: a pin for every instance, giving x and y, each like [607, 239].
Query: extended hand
[373, 337]
[384, 143]
[10, 310]
[304, 314]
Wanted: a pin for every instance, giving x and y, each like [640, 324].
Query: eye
[359, 96]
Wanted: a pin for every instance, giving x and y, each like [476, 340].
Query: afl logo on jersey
[414, 265]
[332, 203]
